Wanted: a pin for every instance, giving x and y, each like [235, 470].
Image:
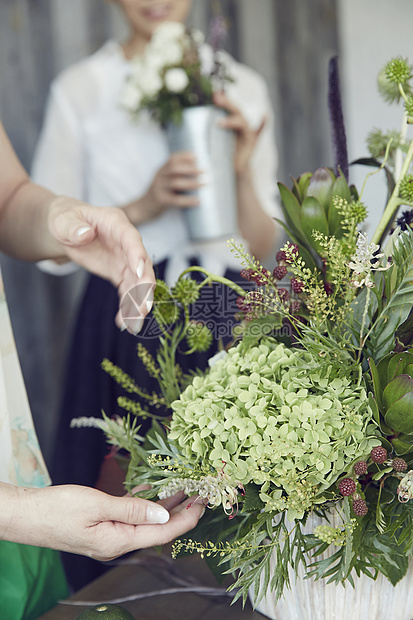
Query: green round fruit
[105, 611]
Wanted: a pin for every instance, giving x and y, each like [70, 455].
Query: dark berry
[280, 256]
[279, 272]
[328, 287]
[379, 454]
[246, 274]
[399, 464]
[292, 252]
[261, 277]
[347, 486]
[360, 507]
[296, 285]
[360, 468]
[283, 295]
[255, 297]
[295, 306]
[242, 303]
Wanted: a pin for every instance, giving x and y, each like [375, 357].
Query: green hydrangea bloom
[270, 416]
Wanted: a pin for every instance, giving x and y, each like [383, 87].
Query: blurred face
[145, 15]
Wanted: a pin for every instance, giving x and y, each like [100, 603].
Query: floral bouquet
[310, 411]
[171, 74]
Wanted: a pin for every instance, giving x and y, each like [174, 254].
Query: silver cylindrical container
[213, 146]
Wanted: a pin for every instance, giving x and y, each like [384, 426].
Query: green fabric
[32, 580]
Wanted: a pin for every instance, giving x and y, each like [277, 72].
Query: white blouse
[91, 149]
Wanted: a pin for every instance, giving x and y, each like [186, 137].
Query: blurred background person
[90, 148]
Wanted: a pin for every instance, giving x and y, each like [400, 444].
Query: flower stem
[394, 202]
[213, 278]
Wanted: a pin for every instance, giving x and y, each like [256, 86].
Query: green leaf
[376, 383]
[397, 363]
[397, 306]
[340, 188]
[400, 446]
[252, 499]
[304, 252]
[320, 186]
[291, 209]
[398, 387]
[400, 414]
[313, 217]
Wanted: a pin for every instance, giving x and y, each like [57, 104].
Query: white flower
[198, 36]
[215, 358]
[167, 44]
[365, 261]
[176, 80]
[131, 96]
[166, 33]
[150, 81]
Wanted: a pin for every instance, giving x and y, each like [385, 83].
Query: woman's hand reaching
[88, 522]
[104, 242]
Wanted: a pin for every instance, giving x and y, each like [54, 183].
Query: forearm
[139, 211]
[12, 514]
[256, 226]
[24, 223]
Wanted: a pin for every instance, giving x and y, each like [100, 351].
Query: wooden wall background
[288, 41]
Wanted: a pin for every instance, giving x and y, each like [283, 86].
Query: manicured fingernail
[149, 301]
[122, 327]
[157, 514]
[137, 326]
[202, 513]
[82, 231]
[140, 268]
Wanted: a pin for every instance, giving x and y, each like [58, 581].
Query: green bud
[198, 336]
[398, 71]
[186, 291]
[406, 187]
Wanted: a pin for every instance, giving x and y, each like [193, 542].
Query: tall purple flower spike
[336, 119]
[218, 30]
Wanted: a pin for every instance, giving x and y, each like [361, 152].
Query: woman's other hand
[246, 138]
[168, 189]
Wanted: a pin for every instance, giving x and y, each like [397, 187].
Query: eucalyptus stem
[363, 322]
[395, 201]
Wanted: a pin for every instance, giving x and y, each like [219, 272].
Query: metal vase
[213, 146]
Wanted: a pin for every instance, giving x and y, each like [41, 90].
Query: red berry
[347, 486]
[378, 454]
[279, 272]
[283, 295]
[280, 256]
[246, 274]
[295, 306]
[360, 468]
[360, 507]
[261, 276]
[292, 251]
[255, 296]
[296, 285]
[399, 464]
[241, 303]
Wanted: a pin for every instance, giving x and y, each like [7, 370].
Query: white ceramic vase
[316, 600]
[213, 146]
